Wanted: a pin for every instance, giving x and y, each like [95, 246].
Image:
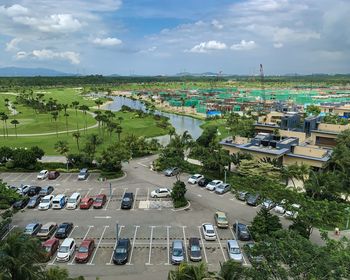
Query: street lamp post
[347, 209]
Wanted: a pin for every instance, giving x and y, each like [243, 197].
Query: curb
[183, 208]
[118, 179]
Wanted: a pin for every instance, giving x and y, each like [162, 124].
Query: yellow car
[221, 220]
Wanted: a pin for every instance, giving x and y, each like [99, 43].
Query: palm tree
[187, 271]
[54, 115]
[120, 119]
[94, 140]
[76, 135]
[98, 102]
[15, 123]
[84, 108]
[119, 131]
[75, 105]
[171, 132]
[98, 118]
[65, 107]
[1, 116]
[56, 273]
[4, 118]
[111, 126]
[63, 149]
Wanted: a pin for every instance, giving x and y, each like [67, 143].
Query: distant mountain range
[30, 72]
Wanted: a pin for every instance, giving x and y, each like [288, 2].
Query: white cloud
[14, 10]
[12, 45]
[107, 42]
[278, 45]
[45, 54]
[216, 24]
[244, 45]
[208, 46]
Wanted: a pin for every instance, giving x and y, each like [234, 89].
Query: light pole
[347, 209]
[225, 174]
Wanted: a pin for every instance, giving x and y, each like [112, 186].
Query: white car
[213, 184]
[234, 251]
[66, 250]
[42, 174]
[73, 201]
[161, 192]
[208, 231]
[280, 208]
[46, 202]
[23, 189]
[293, 213]
[195, 178]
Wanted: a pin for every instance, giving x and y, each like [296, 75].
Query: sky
[165, 37]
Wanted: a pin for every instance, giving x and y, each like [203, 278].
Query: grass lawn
[131, 125]
[221, 124]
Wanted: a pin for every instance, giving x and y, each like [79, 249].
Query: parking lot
[150, 230]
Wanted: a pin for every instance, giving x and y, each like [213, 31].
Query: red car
[99, 201]
[53, 175]
[86, 202]
[50, 246]
[85, 251]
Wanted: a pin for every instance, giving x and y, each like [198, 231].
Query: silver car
[222, 188]
[234, 251]
[178, 252]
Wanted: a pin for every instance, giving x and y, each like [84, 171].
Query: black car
[63, 230]
[253, 199]
[204, 181]
[20, 204]
[34, 201]
[242, 231]
[46, 190]
[121, 252]
[127, 201]
[194, 249]
[34, 190]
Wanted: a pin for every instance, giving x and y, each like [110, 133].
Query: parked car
[53, 175]
[121, 252]
[241, 231]
[208, 231]
[83, 174]
[268, 204]
[32, 229]
[293, 211]
[47, 230]
[99, 201]
[172, 171]
[42, 174]
[213, 184]
[66, 250]
[127, 201]
[253, 199]
[46, 202]
[50, 246]
[64, 230]
[234, 251]
[20, 204]
[195, 178]
[161, 192]
[46, 190]
[85, 251]
[249, 249]
[33, 201]
[23, 189]
[241, 195]
[204, 182]
[73, 201]
[59, 201]
[194, 249]
[221, 219]
[280, 208]
[178, 252]
[86, 203]
[33, 190]
[222, 188]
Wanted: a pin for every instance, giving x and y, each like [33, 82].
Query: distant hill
[31, 72]
[205, 74]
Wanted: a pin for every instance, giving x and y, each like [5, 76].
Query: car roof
[50, 241]
[163, 189]
[31, 225]
[194, 240]
[65, 224]
[123, 242]
[83, 170]
[67, 241]
[197, 175]
[48, 196]
[46, 187]
[128, 194]
[208, 226]
[216, 181]
[44, 170]
[100, 195]
[177, 244]
[233, 243]
[59, 196]
[86, 198]
[47, 225]
[86, 242]
[221, 214]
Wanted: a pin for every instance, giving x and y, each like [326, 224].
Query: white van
[59, 201]
[73, 201]
[66, 250]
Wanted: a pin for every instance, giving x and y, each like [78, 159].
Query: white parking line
[109, 199]
[66, 179]
[26, 177]
[120, 206]
[16, 177]
[183, 231]
[133, 207]
[150, 247]
[218, 237]
[147, 194]
[133, 245]
[115, 245]
[88, 192]
[7, 233]
[235, 237]
[65, 190]
[201, 237]
[168, 244]
[144, 165]
[98, 245]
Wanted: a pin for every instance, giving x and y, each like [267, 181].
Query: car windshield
[222, 219]
[177, 252]
[83, 250]
[45, 200]
[42, 172]
[194, 177]
[210, 231]
[64, 249]
[120, 250]
[99, 199]
[126, 199]
[62, 229]
[44, 230]
[235, 251]
[47, 248]
[71, 200]
[28, 230]
[82, 172]
[195, 248]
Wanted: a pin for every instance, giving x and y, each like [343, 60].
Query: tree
[7, 196]
[76, 135]
[264, 223]
[208, 136]
[171, 132]
[98, 102]
[63, 149]
[55, 116]
[75, 105]
[111, 158]
[313, 110]
[92, 141]
[15, 123]
[232, 270]
[4, 118]
[119, 131]
[66, 115]
[178, 194]
[187, 271]
[84, 108]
